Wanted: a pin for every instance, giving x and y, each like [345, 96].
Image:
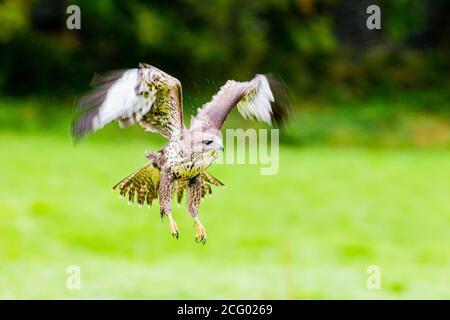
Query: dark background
[319, 47]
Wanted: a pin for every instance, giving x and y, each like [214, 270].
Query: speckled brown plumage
[153, 98]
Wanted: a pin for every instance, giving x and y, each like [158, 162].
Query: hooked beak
[218, 146]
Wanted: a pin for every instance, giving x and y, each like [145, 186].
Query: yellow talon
[173, 227]
[200, 236]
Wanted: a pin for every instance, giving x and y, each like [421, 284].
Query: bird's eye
[207, 142]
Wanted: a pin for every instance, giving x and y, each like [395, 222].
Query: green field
[309, 232]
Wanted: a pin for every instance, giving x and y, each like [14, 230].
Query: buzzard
[153, 98]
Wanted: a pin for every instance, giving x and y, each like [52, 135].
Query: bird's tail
[143, 185]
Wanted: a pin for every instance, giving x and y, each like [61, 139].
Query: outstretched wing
[263, 98]
[146, 95]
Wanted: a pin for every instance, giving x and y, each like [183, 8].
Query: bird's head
[204, 144]
[210, 142]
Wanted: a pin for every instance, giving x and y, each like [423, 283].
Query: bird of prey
[153, 98]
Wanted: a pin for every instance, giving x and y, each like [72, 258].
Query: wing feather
[146, 95]
[263, 98]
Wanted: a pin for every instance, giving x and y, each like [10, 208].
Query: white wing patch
[256, 104]
[123, 102]
[145, 95]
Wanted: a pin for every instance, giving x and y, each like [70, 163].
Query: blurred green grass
[309, 232]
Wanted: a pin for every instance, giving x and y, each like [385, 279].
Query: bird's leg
[194, 195]
[165, 200]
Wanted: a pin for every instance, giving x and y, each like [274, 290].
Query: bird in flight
[153, 98]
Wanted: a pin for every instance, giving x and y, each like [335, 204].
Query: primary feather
[146, 95]
[254, 99]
